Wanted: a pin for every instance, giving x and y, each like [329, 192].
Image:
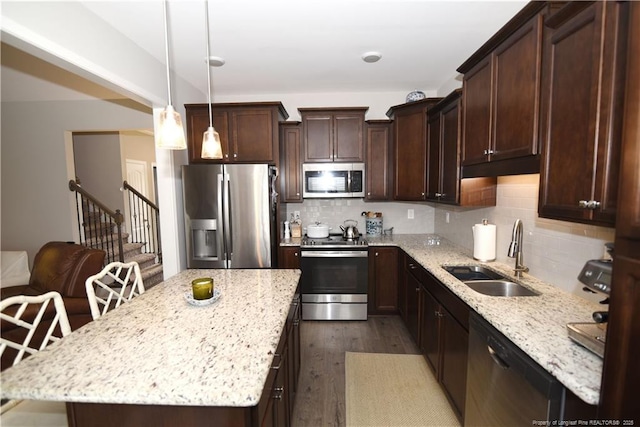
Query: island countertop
[160, 350]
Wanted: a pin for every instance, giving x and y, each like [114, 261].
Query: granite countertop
[535, 324]
[158, 349]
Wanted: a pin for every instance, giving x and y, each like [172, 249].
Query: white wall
[98, 165]
[554, 251]
[37, 205]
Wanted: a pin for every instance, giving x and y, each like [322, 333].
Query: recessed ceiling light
[371, 57]
[216, 61]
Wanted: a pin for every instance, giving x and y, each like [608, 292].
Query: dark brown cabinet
[501, 88]
[282, 381]
[333, 135]
[412, 279]
[583, 95]
[439, 323]
[410, 149]
[444, 183]
[378, 154]
[248, 131]
[290, 162]
[444, 336]
[383, 280]
[289, 257]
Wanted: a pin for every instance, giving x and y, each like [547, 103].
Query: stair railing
[145, 221]
[99, 227]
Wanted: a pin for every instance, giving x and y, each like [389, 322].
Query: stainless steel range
[334, 278]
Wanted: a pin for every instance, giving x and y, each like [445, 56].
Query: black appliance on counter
[596, 276]
[334, 278]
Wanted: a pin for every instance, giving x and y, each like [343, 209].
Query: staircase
[101, 228]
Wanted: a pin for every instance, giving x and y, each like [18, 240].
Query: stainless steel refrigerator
[230, 215]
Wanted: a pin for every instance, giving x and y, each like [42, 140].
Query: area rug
[394, 390]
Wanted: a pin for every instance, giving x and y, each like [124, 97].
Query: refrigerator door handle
[228, 221]
[220, 230]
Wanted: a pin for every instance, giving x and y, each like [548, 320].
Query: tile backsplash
[335, 211]
[555, 251]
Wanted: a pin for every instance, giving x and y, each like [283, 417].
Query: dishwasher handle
[496, 358]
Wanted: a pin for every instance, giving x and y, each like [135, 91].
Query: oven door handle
[334, 254]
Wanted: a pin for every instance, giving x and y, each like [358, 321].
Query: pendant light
[170, 130]
[211, 146]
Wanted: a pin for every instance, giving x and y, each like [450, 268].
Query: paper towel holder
[484, 242]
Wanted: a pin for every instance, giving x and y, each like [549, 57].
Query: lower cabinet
[278, 395]
[383, 280]
[439, 323]
[444, 338]
[289, 257]
[412, 272]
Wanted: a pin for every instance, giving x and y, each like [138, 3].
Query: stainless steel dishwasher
[505, 387]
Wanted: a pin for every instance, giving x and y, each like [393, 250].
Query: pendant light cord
[166, 41]
[206, 16]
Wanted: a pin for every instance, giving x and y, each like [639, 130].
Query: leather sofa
[58, 266]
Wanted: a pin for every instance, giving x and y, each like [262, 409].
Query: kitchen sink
[472, 272]
[500, 288]
[488, 282]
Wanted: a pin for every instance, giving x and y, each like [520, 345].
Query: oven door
[334, 284]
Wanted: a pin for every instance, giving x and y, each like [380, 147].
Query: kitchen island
[160, 361]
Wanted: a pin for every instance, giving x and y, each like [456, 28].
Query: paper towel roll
[484, 242]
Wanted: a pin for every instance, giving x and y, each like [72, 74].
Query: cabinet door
[477, 89]
[434, 136]
[197, 124]
[410, 155]
[253, 136]
[290, 170]
[450, 154]
[579, 172]
[318, 137]
[402, 285]
[516, 96]
[453, 366]
[377, 164]
[413, 303]
[383, 268]
[348, 137]
[429, 330]
[289, 257]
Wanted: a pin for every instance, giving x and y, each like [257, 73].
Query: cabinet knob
[278, 392]
[297, 194]
[422, 194]
[377, 253]
[589, 204]
[487, 152]
[226, 156]
[295, 254]
[235, 155]
[368, 193]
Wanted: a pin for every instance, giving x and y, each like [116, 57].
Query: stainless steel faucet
[515, 249]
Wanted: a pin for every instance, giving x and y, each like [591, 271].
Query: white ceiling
[296, 46]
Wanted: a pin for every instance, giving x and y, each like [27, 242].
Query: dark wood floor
[320, 400]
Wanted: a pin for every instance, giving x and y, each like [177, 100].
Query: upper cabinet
[333, 134]
[290, 166]
[501, 88]
[444, 183]
[378, 154]
[248, 131]
[410, 149]
[582, 101]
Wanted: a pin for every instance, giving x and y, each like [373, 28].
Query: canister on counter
[374, 226]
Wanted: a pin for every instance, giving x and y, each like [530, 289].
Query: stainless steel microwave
[329, 180]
